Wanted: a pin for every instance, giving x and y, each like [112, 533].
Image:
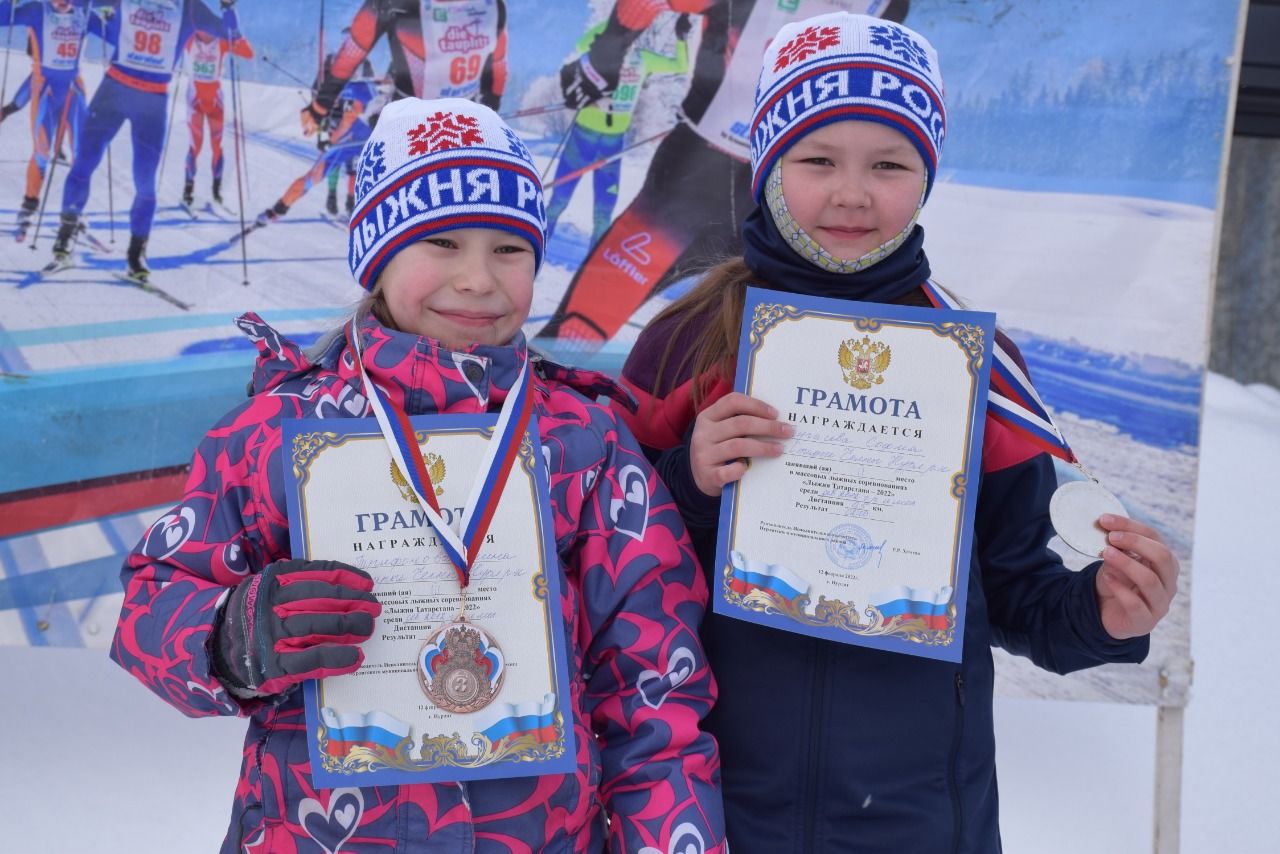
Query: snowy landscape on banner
[1075, 199]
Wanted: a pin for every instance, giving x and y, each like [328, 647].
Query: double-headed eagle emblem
[435, 471]
[864, 362]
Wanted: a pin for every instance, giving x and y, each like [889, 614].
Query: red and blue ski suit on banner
[632, 599]
[57, 35]
[145, 40]
[205, 53]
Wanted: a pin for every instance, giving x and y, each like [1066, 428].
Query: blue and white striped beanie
[840, 66]
[432, 166]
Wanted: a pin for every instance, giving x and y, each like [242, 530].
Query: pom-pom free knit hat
[432, 166]
[840, 66]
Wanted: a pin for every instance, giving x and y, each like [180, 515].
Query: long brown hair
[371, 302]
[717, 302]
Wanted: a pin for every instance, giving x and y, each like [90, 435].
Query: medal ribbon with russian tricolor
[500, 454]
[1011, 398]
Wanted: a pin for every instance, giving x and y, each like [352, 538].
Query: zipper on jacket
[815, 746]
[954, 769]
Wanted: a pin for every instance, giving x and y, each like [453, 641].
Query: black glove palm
[295, 620]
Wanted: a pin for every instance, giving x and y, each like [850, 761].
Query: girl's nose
[475, 277]
[851, 191]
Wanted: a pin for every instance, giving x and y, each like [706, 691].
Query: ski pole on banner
[320, 51]
[239, 135]
[563, 140]
[591, 167]
[235, 117]
[8, 43]
[286, 72]
[52, 162]
[535, 111]
[168, 128]
[111, 197]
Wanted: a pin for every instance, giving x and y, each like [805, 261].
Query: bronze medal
[460, 667]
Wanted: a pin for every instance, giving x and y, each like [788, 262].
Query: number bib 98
[148, 36]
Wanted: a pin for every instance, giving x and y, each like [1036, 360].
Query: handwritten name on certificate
[435, 699]
[861, 531]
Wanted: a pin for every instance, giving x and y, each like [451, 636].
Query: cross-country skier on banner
[56, 30]
[601, 128]
[22, 97]
[698, 187]
[345, 141]
[204, 55]
[19, 100]
[145, 38]
[332, 121]
[439, 49]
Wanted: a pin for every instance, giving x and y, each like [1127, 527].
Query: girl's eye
[442, 242]
[889, 164]
[819, 161]
[509, 249]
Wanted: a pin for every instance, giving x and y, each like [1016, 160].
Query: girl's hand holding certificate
[728, 433]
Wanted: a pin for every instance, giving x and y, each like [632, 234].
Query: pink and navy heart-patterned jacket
[647, 778]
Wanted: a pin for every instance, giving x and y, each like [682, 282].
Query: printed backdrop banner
[1077, 198]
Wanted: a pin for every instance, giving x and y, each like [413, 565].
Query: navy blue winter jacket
[828, 748]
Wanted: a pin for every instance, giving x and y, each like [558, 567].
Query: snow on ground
[94, 762]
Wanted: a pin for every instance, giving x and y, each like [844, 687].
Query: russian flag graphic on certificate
[375, 729]
[513, 720]
[751, 575]
[909, 603]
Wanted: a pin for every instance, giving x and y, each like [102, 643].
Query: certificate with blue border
[378, 726]
[861, 531]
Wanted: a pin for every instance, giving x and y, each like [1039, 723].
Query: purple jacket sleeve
[647, 681]
[178, 574]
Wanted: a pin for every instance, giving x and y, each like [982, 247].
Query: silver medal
[1074, 510]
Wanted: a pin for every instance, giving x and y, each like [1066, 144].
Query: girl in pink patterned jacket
[447, 237]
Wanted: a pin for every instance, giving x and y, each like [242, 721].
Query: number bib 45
[62, 33]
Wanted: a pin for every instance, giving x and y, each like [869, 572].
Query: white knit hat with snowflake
[840, 66]
[432, 166]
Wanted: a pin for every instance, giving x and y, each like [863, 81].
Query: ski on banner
[245, 232]
[57, 265]
[146, 286]
[83, 233]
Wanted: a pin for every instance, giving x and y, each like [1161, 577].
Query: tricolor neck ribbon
[486, 490]
[1011, 398]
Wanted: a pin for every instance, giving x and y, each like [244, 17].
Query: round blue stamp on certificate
[849, 546]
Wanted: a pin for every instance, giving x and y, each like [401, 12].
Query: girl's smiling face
[462, 287]
[853, 185]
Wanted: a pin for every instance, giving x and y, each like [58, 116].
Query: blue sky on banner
[1086, 96]
[288, 30]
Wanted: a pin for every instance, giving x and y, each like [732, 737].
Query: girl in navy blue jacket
[828, 747]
